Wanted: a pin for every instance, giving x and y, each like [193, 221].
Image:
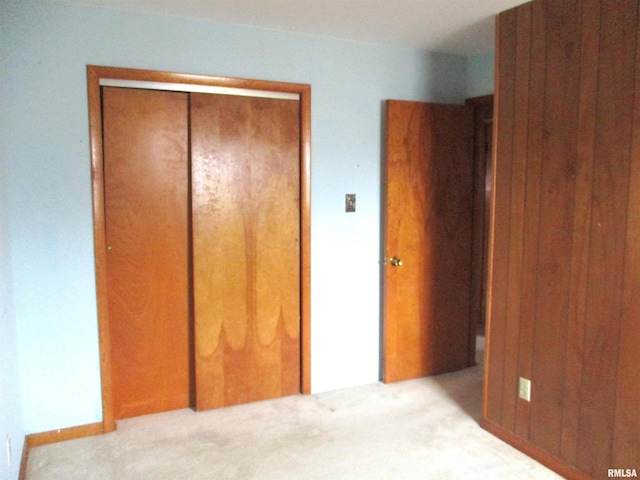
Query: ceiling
[462, 27]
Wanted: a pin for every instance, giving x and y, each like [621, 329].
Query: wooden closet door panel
[428, 219]
[146, 202]
[246, 248]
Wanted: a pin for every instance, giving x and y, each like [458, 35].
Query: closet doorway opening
[208, 171]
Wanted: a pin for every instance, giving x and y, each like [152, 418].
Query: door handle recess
[395, 262]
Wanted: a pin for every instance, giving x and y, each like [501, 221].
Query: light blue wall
[480, 76]
[11, 426]
[49, 194]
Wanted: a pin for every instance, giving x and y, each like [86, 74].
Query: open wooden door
[428, 239]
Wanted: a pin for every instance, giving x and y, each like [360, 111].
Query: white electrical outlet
[524, 389]
[8, 450]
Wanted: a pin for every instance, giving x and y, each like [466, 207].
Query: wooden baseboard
[557, 465]
[60, 435]
[23, 461]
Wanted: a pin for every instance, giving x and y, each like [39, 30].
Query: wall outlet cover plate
[524, 389]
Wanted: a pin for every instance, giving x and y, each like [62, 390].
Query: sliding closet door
[145, 137]
[246, 248]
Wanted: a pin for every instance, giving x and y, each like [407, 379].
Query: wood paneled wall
[564, 305]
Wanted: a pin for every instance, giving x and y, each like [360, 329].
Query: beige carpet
[419, 429]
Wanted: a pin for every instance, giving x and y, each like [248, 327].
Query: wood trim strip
[94, 74]
[481, 106]
[305, 251]
[99, 240]
[60, 435]
[554, 463]
[483, 101]
[194, 79]
[53, 436]
[22, 475]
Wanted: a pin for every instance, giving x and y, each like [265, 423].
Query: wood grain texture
[501, 202]
[246, 248]
[94, 75]
[556, 210]
[587, 115]
[429, 182]
[531, 227]
[610, 194]
[146, 201]
[626, 428]
[575, 252]
[517, 212]
[556, 464]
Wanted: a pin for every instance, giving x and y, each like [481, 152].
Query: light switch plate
[524, 389]
[350, 202]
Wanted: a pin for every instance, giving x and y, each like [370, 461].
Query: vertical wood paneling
[626, 439]
[616, 83]
[578, 322]
[581, 226]
[518, 179]
[499, 241]
[556, 207]
[532, 200]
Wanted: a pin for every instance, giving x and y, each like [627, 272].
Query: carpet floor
[418, 429]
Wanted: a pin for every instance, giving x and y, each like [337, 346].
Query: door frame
[97, 73]
[482, 176]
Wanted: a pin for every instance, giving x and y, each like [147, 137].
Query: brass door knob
[395, 262]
